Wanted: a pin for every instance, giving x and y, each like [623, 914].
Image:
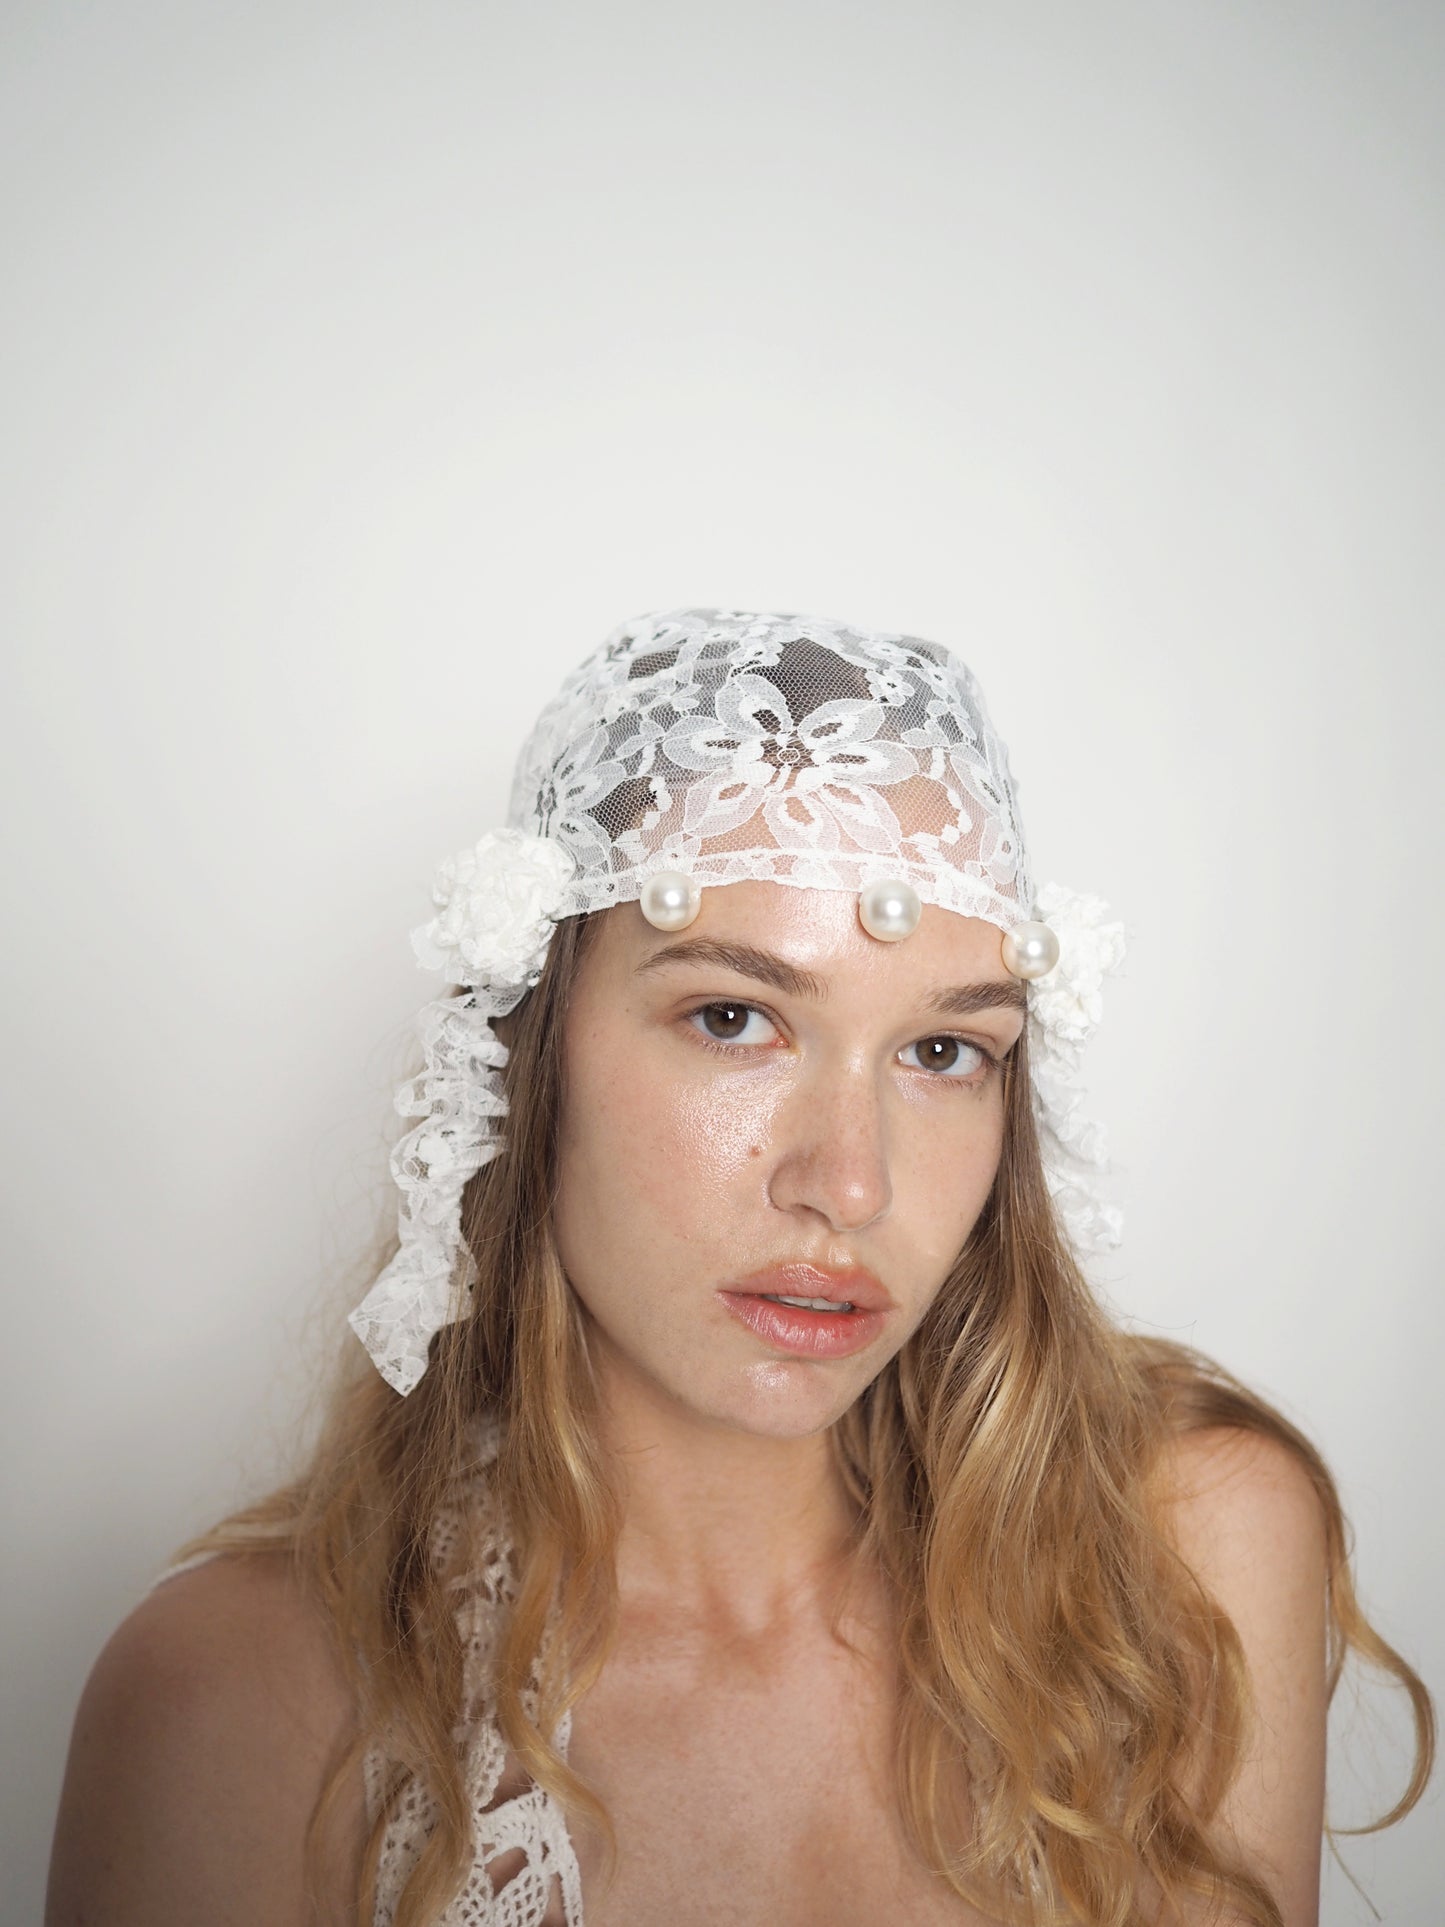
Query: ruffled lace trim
[1064, 1009]
[458, 1096]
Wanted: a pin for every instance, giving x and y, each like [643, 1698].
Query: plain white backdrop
[364, 365]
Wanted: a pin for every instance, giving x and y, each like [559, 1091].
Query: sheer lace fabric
[734, 745]
[523, 1862]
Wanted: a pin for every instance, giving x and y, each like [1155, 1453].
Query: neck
[718, 1523]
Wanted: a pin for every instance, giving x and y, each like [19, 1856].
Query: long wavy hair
[1058, 1677]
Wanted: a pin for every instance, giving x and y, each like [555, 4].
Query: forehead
[817, 931]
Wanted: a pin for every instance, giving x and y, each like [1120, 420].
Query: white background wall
[364, 365]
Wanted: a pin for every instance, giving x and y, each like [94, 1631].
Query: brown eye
[725, 1022]
[952, 1057]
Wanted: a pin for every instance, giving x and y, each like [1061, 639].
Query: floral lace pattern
[729, 746]
[523, 1863]
[786, 748]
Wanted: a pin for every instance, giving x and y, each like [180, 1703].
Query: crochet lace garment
[522, 1855]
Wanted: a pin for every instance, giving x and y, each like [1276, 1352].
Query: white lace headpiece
[708, 746]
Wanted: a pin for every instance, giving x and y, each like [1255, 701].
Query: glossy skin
[698, 1149]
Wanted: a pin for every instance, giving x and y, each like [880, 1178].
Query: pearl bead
[670, 900]
[889, 910]
[1030, 950]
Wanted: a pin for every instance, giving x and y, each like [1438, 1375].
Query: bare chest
[760, 1792]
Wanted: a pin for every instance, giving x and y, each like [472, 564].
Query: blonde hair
[1060, 1660]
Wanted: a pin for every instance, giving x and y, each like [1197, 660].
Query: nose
[832, 1151]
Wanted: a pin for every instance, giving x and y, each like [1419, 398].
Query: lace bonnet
[700, 747]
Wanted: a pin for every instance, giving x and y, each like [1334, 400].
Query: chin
[780, 1398]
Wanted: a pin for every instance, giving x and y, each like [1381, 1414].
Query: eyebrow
[961, 1000]
[744, 960]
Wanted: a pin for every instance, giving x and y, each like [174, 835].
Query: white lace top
[522, 1857]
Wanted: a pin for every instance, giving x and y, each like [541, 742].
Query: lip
[844, 1284]
[805, 1333]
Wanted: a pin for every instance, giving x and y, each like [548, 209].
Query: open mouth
[807, 1304]
[818, 1328]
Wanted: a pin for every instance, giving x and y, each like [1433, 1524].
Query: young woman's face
[772, 1087]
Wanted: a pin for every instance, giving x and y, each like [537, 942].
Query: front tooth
[810, 1304]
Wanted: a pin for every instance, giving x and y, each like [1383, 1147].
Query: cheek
[941, 1177]
[649, 1157]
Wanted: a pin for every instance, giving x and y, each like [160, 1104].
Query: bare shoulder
[1220, 1475]
[204, 1735]
[1246, 1517]
[1243, 1504]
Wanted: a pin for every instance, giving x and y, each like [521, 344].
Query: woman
[752, 1517]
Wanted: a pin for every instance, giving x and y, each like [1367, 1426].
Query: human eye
[954, 1060]
[723, 1024]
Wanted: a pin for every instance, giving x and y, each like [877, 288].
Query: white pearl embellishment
[1030, 950]
[670, 900]
[889, 910]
